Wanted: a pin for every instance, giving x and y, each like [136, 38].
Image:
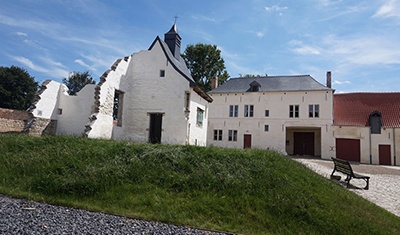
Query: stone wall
[12, 121]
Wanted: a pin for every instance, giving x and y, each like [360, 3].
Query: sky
[357, 40]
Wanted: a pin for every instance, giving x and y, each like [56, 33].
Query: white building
[149, 96]
[367, 127]
[289, 114]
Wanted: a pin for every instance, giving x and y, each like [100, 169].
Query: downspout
[394, 146]
[370, 147]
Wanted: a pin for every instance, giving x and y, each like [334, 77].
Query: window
[254, 86]
[267, 113]
[248, 110]
[59, 111]
[233, 110]
[199, 120]
[218, 135]
[117, 108]
[375, 121]
[162, 73]
[266, 128]
[232, 135]
[294, 111]
[313, 110]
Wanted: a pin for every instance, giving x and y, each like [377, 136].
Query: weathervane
[176, 17]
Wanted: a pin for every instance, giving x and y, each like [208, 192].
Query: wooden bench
[344, 167]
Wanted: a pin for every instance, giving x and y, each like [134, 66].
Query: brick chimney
[214, 82]
[329, 79]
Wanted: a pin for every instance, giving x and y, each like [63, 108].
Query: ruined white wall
[279, 122]
[146, 92]
[102, 124]
[73, 111]
[47, 105]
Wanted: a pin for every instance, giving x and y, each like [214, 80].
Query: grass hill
[239, 191]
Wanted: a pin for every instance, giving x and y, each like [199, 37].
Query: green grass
[240, 191]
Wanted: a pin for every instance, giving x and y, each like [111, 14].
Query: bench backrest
[342, 166]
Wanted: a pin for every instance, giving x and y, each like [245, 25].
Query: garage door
[348, 149]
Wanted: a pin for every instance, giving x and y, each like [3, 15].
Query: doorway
[384, 155]
[303, 143]
[155, 128]
[247, 141]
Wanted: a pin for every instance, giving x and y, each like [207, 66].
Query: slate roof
[271, 83]
[353, 109]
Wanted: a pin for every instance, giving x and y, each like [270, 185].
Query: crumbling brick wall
[12, 121]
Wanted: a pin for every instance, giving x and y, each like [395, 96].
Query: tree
[17, 88]
[77, 80]
[205, 62]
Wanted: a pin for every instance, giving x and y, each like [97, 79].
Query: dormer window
[254, 86]
[375, 122]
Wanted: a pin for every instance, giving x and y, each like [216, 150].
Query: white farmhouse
[148, 96]
[289, 114]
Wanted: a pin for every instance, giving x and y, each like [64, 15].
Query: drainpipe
[370, 147]
[394, 146]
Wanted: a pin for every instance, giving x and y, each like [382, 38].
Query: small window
[218, 135]
[232, 135]
[59, 111]
[313, 111]
[162, 73]
[266, 113]
[233, 110]
[200, 116]
[254, 86]
[117, 108]
[266, 128]
[248, 110]
[293, 111]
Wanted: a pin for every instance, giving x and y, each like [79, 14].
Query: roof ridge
[274, 76]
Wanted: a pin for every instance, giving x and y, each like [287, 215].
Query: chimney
[329, 79]
[214, 82]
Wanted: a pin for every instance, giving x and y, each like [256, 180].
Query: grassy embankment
[240, 191]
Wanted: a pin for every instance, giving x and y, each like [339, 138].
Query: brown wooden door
[303, 143]
[155, 128]
[385, 157]
[247, 141]
[348, 149]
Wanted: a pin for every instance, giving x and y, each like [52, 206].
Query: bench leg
[367, 186]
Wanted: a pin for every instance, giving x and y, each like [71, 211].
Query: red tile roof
[353, 109]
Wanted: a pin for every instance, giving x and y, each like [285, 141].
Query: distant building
[148, 96]
[367, 127]
[289, 114]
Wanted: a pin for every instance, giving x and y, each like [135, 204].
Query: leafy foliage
[17, 88]
[205, 62]
[77, 80]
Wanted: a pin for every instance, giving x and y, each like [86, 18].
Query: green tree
[77, 80]
[205, 62]
[17, 88]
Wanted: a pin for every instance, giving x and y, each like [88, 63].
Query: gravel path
[21, 216]
[384, 182]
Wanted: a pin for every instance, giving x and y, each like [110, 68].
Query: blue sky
[359, 41]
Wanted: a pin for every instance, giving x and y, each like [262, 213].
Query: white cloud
[389, 9]
[22, 34]
[341, 82]
[28, 63]
[260, 34]
[275, 8]
[300, 48]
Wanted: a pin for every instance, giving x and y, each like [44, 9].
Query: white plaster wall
[197, 134]
[103, 126]
[146, 92]
[46, 107]
[75, 110]
[370, 142]
[278, 105]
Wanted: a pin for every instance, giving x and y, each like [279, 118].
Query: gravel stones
[21, 216]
